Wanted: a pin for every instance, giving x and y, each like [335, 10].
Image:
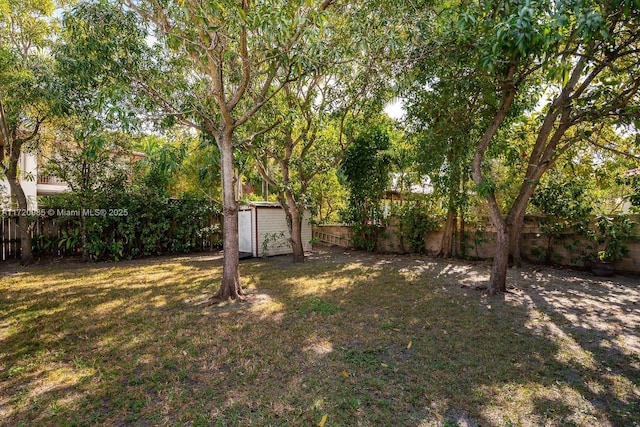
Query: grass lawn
[360, 339]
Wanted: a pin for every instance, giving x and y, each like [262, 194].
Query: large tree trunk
[542, 157]
[294, 224]
[515, 233]
[26, 254]
[230, 288]
[498, 280]
[461, 236]
[296, 237]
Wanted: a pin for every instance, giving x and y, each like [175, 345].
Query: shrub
[139, 222]
[415, 223]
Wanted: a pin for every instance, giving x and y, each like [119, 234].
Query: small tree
[93, 165]
[231, 58]
[565, 206]
[448, 106]
[582, 55]
[366, 166]
[309, 139]
[25, 70]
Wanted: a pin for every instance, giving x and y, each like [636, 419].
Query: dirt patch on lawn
[603, 311]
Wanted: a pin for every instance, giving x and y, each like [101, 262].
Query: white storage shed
[263, 231]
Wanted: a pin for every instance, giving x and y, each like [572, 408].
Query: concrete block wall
[566, 249]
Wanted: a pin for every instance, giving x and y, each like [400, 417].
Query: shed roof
[259, 204]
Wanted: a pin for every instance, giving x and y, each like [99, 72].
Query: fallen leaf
[410, 344]
[345, 373]
[323, 421]
[385, 365]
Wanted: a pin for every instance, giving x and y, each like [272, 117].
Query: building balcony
[50, 185]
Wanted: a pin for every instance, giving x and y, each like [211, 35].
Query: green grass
[365, 344]
[318, 305]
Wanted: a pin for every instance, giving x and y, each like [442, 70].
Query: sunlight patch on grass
[623, 388]
[569, 350]
[267, 307]
[538, 404]
[110, 307]
[318, 347]
[50, 382]
[321, 285]
[159, 301]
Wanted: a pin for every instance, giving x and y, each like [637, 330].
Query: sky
[395, 109]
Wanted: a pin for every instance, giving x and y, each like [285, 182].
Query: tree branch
[246, 64]
[4, 133]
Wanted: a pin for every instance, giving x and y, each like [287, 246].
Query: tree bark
[230, 288]
[446, 245]
[294, 224]
[541, 160]
[296, 236]
[516, 222]
[83, 237]
[26, 254]
[461, 236]
[543, 153]
[498, 280]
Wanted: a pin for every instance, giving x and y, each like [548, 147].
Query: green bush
[415, 223]
[137, 222]
[366, 167]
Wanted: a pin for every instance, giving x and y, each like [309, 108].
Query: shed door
[244, 231]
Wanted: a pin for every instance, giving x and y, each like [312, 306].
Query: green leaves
[27, 25]
[486, 188]
[366, 166]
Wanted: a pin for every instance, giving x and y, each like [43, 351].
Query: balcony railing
[46, 179]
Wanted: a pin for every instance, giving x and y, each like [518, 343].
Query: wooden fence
[10, 238]
[39, 226]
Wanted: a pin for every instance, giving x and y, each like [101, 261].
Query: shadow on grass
[361, 339]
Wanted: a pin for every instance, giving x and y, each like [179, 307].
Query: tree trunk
[542, 157]
[294, 223]
[230, 288]
[83, 237]
[26, 254]
[296, 238]
[446, 245]
[515, 233]
[498, 280]
[461, 236]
